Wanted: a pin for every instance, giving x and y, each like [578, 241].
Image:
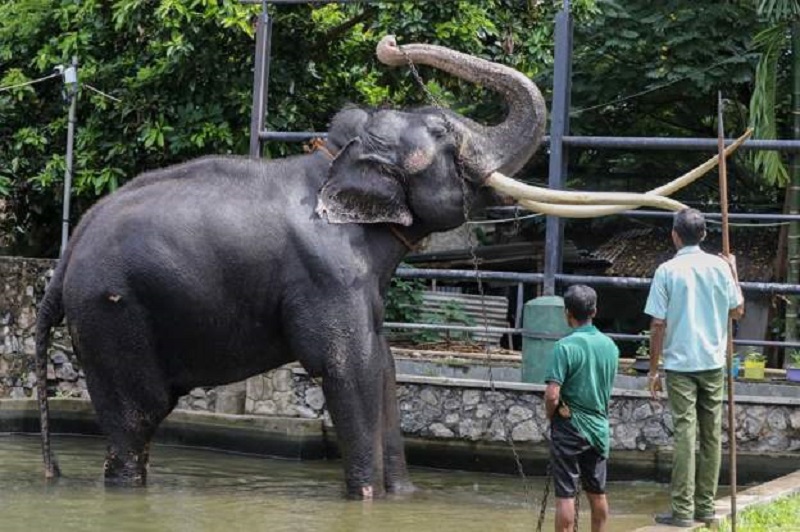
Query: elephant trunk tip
[389, 52]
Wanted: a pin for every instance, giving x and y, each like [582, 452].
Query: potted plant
[793, 367]
[641, 364]
[736, 365]
[754, 364]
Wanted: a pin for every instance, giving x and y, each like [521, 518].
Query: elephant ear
[361, 190]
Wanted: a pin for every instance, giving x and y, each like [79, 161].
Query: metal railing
[559, 141]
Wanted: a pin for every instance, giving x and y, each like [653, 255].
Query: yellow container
[754, 369]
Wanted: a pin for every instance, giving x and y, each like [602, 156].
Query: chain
[465, 193]
[543, 509]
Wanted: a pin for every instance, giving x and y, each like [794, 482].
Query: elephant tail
[50, 314]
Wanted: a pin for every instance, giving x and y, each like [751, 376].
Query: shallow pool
[204, 490]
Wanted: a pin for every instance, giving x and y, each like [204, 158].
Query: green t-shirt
[585, 364]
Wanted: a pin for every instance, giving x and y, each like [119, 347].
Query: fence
[559, 142]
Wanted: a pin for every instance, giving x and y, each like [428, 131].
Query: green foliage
[793, 357]
[643, 350]
[403, 300]
[450, 313]
[182, 70]
[782, 514]
[755, 356]
[778, 10]
[642, 70]
[771, 42]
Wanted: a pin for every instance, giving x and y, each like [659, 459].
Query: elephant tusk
[521, 191]
[587, 211]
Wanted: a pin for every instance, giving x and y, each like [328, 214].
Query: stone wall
[436, 407]
[431, 407]
[23, 284]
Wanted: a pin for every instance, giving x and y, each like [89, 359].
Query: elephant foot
[128, 471]
[365, 493]
[401, 487]
[52, 471]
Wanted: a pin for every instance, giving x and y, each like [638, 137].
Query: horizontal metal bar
[450, 327]
[291, 136]
[639, 143]
[622, 337]
[671, 143]
[471, 275]
[596, 280]
[716, 216]
[641, 213]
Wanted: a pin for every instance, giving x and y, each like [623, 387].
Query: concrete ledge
[539, 388]
[762, 494]
[294, 438]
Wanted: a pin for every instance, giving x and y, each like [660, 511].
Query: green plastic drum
[541, 316]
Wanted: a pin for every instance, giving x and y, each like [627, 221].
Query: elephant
[220, 268]
[217, 269]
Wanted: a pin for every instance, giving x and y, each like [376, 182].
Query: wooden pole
[726, 249]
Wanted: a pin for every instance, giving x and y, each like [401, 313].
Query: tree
[646, 71]
[183, 72]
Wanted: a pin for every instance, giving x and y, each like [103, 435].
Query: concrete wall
[437, 408]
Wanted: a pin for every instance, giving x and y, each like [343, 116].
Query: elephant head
[423, 166]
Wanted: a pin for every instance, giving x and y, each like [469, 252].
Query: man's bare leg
[565, 514]
[599, 505]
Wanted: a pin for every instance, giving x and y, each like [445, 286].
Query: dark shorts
[572, 458]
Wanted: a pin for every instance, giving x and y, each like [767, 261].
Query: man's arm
[552, 396]
[658, 329]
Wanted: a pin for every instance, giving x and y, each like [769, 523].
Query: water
[203, 490]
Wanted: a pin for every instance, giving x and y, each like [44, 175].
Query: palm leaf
[771, 42]
[778, 10]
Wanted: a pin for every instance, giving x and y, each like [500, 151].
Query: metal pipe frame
[559, 127]
[559, 141]
[596, 280]
[634, 143]
[641, 213]
[258, 115]
[516, 330]
[669, 143]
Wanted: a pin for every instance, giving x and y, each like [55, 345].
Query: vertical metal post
[559, 126]
[70, 76]
[258, 115]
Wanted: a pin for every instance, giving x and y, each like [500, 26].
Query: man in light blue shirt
[691, 298]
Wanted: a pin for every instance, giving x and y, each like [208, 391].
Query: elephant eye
[437, 131]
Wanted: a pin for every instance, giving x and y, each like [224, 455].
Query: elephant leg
[128, 391]
[356, 409]
[396, 476]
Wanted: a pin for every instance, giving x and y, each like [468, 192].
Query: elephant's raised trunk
[505, 147]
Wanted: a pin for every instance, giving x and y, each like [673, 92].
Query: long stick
[726, 249]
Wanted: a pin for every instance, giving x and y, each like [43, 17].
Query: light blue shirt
[693, 292]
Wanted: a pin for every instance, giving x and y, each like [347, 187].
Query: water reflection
[200, 490]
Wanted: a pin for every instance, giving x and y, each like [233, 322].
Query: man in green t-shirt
[579, 382]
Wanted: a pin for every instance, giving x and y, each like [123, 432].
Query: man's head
[688, 228]
[580, 304]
